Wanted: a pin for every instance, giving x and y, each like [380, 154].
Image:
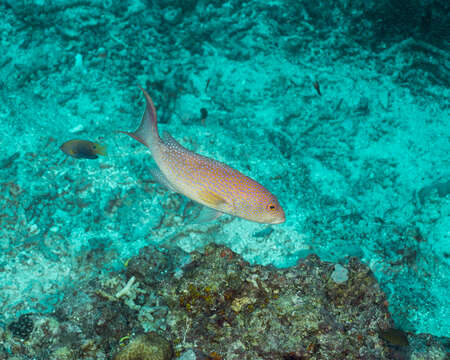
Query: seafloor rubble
[218, 306]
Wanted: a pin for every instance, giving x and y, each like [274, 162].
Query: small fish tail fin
[101, 149]
[147, 132]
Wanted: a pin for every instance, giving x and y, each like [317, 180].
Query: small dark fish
[83, 149]
[317, 87]
[203, 115]
[394, 337]
[6, 163]
[263, 233]
[207, 84]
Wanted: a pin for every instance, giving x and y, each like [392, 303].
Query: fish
[203, 115]
[394, 337]
[317, 87]
[263, 233]
[213, 184]
[83, 149]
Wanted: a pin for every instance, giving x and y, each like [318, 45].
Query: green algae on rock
[227, 307]
[150, 346]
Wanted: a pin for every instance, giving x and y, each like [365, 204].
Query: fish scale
[211, 183]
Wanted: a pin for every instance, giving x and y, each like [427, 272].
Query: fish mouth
[279, 220]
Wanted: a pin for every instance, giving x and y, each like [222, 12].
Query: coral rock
[149, 346]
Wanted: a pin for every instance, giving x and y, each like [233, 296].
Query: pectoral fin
[210, 198]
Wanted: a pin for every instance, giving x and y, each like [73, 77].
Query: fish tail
[147, 132]
[100, 149]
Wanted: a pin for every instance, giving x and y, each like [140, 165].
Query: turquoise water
[340, 109]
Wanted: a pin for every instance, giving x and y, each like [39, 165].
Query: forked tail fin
[100, 149]
[147, 132]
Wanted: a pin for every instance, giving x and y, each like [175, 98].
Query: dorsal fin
[171, 142]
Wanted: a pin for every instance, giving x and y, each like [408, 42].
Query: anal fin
[206, 215]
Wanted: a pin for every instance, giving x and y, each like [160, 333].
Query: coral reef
[149, 346]
[221, 307]
[239, 311]
[23, 327]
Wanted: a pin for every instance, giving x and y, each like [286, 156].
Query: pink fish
[211, 183]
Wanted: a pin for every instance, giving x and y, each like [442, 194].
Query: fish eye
[271, 207]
